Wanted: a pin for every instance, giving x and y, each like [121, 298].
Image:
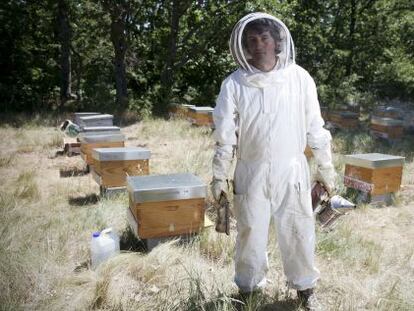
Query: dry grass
[367, 261]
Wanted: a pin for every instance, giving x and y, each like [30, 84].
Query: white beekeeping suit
[269, 117]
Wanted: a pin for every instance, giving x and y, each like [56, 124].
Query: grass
[46, 224]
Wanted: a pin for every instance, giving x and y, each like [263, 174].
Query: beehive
[166, 205]
[111, 166]
[373, 173]
[386, 127]
[90, 142]
[344, 119]
[180, 111]
[101, 130]
[201, 116]
[96, 120]
[388, 112]
[78, 115]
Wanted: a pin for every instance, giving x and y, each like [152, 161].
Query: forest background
[143, 55]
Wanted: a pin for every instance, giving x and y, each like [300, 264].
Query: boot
[307, 299]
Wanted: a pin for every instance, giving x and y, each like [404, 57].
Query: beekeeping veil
[238, 48]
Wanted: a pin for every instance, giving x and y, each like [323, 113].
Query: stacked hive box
[180, 111]
[96, 120]
[111, 166]
[388, 112]
[386, 127]
[92, 141]
[202, 116]
[344, 119]
[78, 115]
[375, 174]
[166, 205]
[101, 130]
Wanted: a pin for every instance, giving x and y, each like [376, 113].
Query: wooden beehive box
[91, 141]
[180, 111]
[101, 130]
[373, 173]
[386, 127]
[78, 115]
[201, 116]
[96, 120]
[388, 112]
[111, 166]
[344, 119]
[166, 205]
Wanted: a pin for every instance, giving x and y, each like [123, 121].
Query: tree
[65, 39]
[119, 12]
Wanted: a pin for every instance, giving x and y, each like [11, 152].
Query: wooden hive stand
[71, 146]
[111, 166]
[376, 176]
[166, 205]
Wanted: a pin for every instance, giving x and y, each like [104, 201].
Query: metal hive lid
[88, 129]
[121, 154]
[93, 138]
[97, 117]
[205, 110]
[154, 188]
[374, 160]
[78, 115]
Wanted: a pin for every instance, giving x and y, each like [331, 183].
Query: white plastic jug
[104, 245]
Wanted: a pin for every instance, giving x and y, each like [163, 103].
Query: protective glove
[326, 176]
[219, 187]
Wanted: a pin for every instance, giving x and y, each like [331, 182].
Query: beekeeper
[266, 113]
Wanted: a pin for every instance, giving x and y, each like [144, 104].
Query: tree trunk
[119, 42]
[352, 27]
[65, 38]
[167, 75]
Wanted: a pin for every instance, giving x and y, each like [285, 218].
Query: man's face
[261, 46]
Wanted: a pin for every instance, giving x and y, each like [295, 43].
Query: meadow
[47, 216]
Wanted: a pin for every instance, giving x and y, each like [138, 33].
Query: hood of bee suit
[286, 55]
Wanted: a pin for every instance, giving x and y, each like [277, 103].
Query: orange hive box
[386, 127]
[166, 205]
[180, 111]
[373, 173]
[111, 166]
[344, 119]
[91, 141]
[201, 116]
[388, 112]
